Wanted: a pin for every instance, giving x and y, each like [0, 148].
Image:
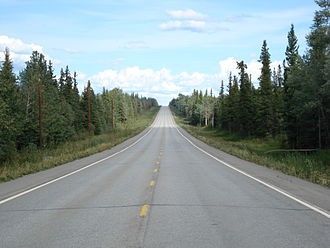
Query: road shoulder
[309, 192]
[24, 183]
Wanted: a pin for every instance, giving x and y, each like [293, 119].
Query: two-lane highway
[161, 191]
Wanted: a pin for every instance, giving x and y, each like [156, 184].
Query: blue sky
[156, 48]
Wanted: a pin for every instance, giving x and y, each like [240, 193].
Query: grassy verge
[33, 160]
[314, 167]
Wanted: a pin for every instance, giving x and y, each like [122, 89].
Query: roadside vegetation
[33, 159]
[288, 108]
[45, 121]
[312, 166]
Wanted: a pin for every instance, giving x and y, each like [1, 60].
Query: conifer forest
[37, 110]
[291, 101]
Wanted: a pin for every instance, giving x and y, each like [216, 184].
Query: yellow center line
[144, 210]
[152, 183]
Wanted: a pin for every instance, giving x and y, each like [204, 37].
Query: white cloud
[164, 84]
[187, 14]
[194, 79]
[20, 51]
[188, 20]
[18, 46]
[136, 79]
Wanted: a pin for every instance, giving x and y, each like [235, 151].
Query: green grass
[32, 160]
[314, 166]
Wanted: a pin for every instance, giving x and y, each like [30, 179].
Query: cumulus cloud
[17, 45]
[135, 79]
[188, 20]
[163, 84]
[20, 51]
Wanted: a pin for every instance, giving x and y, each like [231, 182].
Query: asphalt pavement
[163, 188]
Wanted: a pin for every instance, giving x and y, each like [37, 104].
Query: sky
[155, 48]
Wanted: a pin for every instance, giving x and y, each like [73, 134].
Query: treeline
[292, 101]
[37, 110]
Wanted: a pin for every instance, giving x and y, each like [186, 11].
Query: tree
[75, 104]
[265, 112]
[292, 63]
[59, 115]
[306, 98]
[291, 53]
[317, 56]
[33, 80]
[278, 104]
[89, 105]
[232, 105]
[9, 109]
[47, 118]
[219, 107]
[246, 110]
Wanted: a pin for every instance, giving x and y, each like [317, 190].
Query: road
[160, 190]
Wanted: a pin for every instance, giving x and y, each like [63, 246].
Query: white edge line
[308, 205]
[71, 173]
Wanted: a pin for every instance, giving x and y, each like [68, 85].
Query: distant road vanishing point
[163, 188]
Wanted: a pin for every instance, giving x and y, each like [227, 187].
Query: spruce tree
[219, 105]
[90, 111]
[233, 107]
[47, 119]
[318, 41]
[226, 113]
[59, 115]
[265, 112]
[292, 63]
[291, 53]
[9, 109]
[278, 104]
[33, 79]
[75, 104]
[246, 114]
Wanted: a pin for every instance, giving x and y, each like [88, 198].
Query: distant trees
[293, 101]
[37, 110]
